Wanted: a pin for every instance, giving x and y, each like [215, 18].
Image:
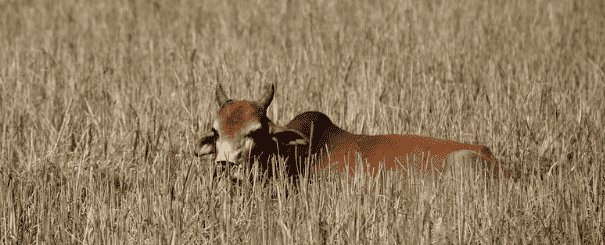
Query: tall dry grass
[100, 98]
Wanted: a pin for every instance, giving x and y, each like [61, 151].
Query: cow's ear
[287, 136]
[206, 145]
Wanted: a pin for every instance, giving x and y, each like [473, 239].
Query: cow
[242, 131]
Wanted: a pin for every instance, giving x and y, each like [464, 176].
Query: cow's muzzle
[232, 170]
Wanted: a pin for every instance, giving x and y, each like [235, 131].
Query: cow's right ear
[288, 136]
[206, 145]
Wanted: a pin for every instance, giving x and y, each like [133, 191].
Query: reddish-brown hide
[242, 131]
[393, 150]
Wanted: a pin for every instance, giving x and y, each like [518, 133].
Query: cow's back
[394, 151]
[400, 150]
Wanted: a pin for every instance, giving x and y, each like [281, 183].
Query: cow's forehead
[235, 117]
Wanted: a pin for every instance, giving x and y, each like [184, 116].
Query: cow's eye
[251, 134]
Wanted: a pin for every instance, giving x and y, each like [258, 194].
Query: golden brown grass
[100, 98]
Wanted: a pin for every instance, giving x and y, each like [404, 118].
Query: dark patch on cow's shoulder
[305, 121]
[317, 127]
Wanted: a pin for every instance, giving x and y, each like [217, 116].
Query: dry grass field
[101, 103]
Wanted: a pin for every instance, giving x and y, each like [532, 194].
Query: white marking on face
[227, 151]
[235, 148]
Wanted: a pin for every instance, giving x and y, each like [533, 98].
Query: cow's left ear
[206, 145]
[287, 136]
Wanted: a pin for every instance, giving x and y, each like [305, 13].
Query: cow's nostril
[220, 167]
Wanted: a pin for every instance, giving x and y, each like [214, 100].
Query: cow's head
[242, 132]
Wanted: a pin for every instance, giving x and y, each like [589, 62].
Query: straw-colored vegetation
[99, 100]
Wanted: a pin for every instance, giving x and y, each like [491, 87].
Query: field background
[99, 100]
